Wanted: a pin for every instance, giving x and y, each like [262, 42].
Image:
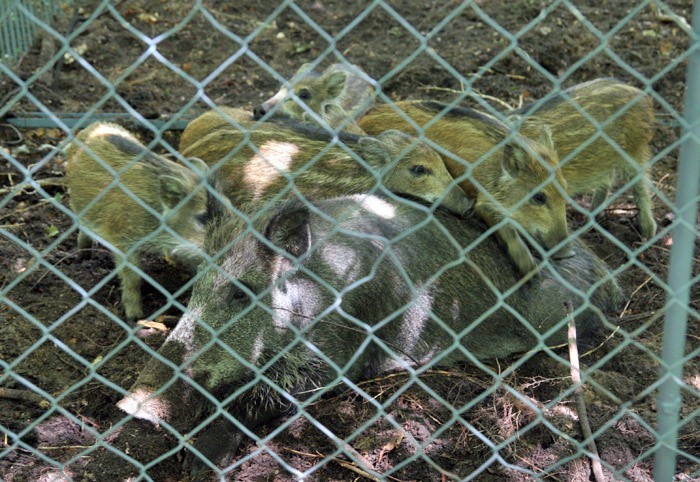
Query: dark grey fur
[386, 277]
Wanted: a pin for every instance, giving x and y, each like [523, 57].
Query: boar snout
[457, 200]
[270, 103]
[259, 111]
[553, 240]
[141, 403]
[564, 252]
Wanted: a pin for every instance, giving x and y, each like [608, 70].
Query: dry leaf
[391, 445]
[152, 324]
[148, 18]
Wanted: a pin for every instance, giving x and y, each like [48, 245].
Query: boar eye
[540, 199]
[304, 94]
[239, 295]
[237, 292]
[202, 218]
[419, 170]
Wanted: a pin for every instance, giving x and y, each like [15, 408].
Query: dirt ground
[57, 340]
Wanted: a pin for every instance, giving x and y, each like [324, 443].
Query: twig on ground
[355, 468]
[305, 454]
[670, 17]
[25, 395]
[66, 447]
[20, 137]
[502, 103]
[600, 345]
[47, 182]
[349, 449]
[348, 465]
[26, 208]
[646, 281]
[598, 474]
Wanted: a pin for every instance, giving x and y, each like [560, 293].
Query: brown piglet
[134, 201]
[257, 168]
[600, 129]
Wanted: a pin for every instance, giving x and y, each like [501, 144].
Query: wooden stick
[46, 182]
[25, 395]
[355, 468]
[598, 474]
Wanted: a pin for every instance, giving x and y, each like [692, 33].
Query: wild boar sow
[354, 287]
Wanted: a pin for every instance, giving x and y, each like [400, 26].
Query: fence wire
[207, 386]
[18, 26]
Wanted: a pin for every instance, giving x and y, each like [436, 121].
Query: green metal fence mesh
[69, 355]
[19, 26]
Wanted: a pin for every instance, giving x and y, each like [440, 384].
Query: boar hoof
[219, 443]
[84, 246]
[133, 317]
[647, 225]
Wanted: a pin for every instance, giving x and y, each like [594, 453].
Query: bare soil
[57, 338]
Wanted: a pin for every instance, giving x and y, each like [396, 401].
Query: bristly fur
[117, 212]
[460, 112]
[259, 168]
[626, 115]
[500, 170]
[313, 132]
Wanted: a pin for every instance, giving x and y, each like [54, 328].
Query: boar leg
[599, 197]
[220, 441]
[131, 288]
[84, 245]
[647, 224]
[517, 249]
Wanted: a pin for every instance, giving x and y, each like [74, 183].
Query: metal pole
[684, 235]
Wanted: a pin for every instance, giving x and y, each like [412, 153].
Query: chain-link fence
[19, 26]
[399, 336]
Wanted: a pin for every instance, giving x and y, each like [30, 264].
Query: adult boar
[348, 289]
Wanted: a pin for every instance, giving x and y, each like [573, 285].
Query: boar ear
[395, 139]
[514, 159]
[545, 138]
[334, 115]
[303, 70]
[289, 230]
[379, 151]
[218, 205]
[200, 167]
[374, 151]
[335, 83]
[173, 189]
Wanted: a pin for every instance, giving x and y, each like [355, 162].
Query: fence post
[679, 275]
